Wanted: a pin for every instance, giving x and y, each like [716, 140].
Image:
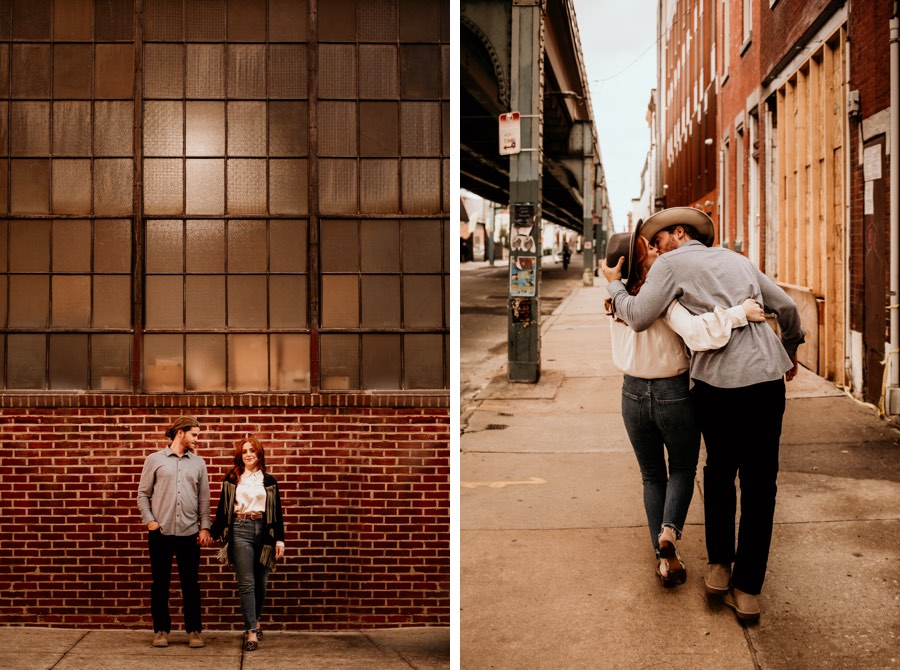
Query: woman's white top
[660, 352]
[250, 496]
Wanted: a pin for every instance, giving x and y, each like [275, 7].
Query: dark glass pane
[378, 71]
[71, 186]
[288, 362]
[445, 185]
[30, 128]
[29, 301]
[205, 70]
[72, 20]
[26, 358]
[112, 246]
[248, 363]
[422, 246]
[419, 21]
[112, 301]
[31, 19]
[114, 76]
[445, 257]
[420, 71]
[4, 248]
[380, 244]
[287, 301]
[445, 128]
[338, 193]
[378, 21]
[445, 71]
[4, 128]
[423, 303]
[205, 20]
[247, 246]
[339, 241]
[111, 362]
[29, 246]
[287, 246]
[421, 186]
[31, 71]
[72, 67]
[204, 302]
[4, 281]
[68, 361]
[163, 134]
[164, 303]
[4, 70]
[163, 70]
[114, 19]
[113, 128]
[381, 301]
[72, 128]
[287, 129]
[204, 368]
[246, 128]
[423, 357]
[337, 128]
[246, 20]
[205, 186]
[113, 186]
[71, 246]
[30, 186]
[378, 129]
[246, 186]
[246, 70]
[205, 246]
[337, 21]
[379, 186]
[163, 186]
[163, 20]
[420, 129]
[163, 363]
[4, 180]
[381, 362]
[247, 301]
[287, 20]
[165, 242]
[337, 71]
[287, 77]
[340, 301]
[205, 133]
[339, 362]
[288, 187]
[70, 306]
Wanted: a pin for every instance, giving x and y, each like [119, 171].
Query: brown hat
[679, 216]
[181, 423]
[622, 245]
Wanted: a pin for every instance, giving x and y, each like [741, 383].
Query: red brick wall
[365, 494]
[782, 25]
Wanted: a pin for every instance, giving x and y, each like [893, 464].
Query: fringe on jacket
[273, 523]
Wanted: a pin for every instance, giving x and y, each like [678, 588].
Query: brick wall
[365, 493]
[783, 25]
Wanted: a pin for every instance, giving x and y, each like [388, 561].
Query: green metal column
[587, 212]
[525, 191]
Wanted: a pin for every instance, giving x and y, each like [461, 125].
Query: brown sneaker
[745, 605]
[718, 579]
[161, 639]
[195, 641]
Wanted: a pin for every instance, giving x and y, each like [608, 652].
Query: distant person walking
[173, 499]
[657, 406]
[250, 524]
[747, 375]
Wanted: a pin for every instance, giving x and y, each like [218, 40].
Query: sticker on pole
[510, 134]
[523, 276]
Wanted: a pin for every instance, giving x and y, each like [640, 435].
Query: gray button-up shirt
[700, 278]
[175, 492]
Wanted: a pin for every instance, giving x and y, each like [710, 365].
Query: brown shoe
[718, 579]
[161, 639]
[745, 605]
[195, 641]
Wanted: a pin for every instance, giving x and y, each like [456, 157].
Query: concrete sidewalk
[557, 569]
[399, 649]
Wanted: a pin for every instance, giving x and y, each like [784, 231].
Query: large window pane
[111, 362]
[163, 135]
[246, 186]
[246, 20]
[205, 246]
[378, 129]
[381, 301]
[112, 246]
[114, 19]
[163, 187]
[204, 363]
[421, 186]
[288, 129]
[338, 186]
[420, 124]
[71, 246]
[378, 21]
[163, 20]
[339, 367]
[246, 70]
[287, 301]
[29, 301]
[288, 187]
[29, 246]
[379, 72]
[113, 186]
[248, 364]
[113, 135]
[205, 21]
[163, 70]
[114, 74]
[30, 181]
[422, 246]
[423, 303]
[380, 245]
[287, 246]
[164, 303]
[26, 361]
[165, 244]
[30, 71]
[381, 362]
[423, 361]
[71, 303]
[247, 301]
[246, 129]
[379, 186]
[163, 363]
[419, 71]
[205, 129]
[247, 246]
[337, 129]
[204, 302]
[287, 20]
[337, 71]
[288, 70]
[205, 186]
[72, 20]
[72, 128]
[340, 301]
[112, 301]
[68, 361]
[30, 128]
[289, 368]
[340, 246]
[71, 186]
[72, 66]
[205, 71]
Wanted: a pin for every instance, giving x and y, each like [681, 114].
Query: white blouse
[250, 496]
[660, 351]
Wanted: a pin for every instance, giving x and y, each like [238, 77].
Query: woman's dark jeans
[246, 546]
[659, 417]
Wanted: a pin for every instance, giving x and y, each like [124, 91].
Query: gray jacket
[700, 278]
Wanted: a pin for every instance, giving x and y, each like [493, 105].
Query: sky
[618, 41]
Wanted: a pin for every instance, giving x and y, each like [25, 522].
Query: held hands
[279, 552]
[204, 539]
[614, 273]
[753, 310]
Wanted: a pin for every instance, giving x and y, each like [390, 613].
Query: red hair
[637, 273]
[235, 473]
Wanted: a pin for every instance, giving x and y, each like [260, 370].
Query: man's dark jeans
[187, 554]
[742, 429]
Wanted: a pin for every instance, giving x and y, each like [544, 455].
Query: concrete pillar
[525, 192]
[587, 212]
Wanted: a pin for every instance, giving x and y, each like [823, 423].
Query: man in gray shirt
[744, 378]
[173, 498]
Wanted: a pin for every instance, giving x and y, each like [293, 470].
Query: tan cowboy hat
[675, 216]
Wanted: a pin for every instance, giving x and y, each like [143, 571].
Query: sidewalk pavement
[557, 569]
[397, 649]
